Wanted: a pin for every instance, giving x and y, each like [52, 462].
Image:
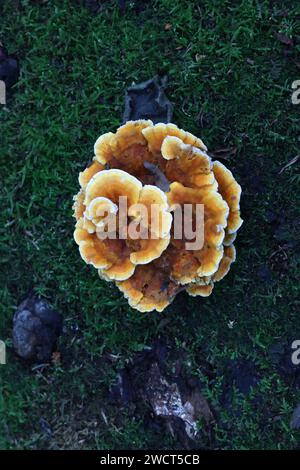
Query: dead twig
[290, 163]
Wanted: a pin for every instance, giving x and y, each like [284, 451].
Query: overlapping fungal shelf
[163, 165]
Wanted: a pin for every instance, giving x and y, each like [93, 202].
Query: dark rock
[36, 328]
[9, 68]
[147, 100]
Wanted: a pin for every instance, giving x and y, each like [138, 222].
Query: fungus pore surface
[159, 170]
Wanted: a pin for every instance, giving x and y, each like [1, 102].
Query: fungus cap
[98, 204]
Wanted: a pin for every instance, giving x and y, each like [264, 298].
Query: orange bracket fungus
[148, 184]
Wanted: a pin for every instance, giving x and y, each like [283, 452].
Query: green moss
[231, 84]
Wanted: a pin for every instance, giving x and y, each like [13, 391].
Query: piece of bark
[147, 100]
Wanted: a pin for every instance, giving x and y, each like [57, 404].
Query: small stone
[36, 328]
